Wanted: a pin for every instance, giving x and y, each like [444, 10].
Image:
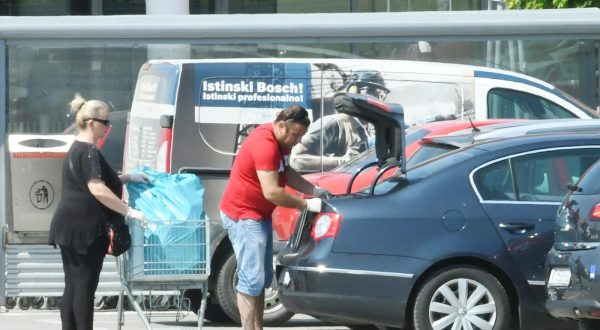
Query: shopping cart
[168, 256]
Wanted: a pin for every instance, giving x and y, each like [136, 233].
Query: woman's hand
[137, 215]
[139, 178]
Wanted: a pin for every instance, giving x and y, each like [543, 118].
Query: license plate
[559, 277]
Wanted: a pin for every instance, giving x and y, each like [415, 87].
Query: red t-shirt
[243, 197]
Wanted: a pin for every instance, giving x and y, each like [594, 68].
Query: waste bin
[36, 179]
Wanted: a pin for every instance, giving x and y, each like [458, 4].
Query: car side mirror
[573, 187]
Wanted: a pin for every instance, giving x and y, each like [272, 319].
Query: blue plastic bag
[167, 197]
[174, 242]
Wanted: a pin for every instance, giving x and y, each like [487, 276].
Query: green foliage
[548, 4]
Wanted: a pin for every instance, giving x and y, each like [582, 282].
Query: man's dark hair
[294, 114]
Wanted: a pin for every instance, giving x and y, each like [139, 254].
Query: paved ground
[107, 320]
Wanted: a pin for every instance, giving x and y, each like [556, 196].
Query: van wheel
[275, 313]
[461, 295]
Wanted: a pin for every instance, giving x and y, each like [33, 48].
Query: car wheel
[462, 297]
[274, 313]
[213, 312]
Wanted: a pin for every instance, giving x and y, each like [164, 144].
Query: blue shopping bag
[173, 203]
[167, 197]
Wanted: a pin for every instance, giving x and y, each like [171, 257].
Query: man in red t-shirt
[259, 175]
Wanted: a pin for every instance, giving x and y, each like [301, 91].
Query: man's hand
[319, 192]
[314, 204]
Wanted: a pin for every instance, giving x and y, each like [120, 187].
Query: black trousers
[82, 273]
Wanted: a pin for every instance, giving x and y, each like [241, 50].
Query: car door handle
[516, 227]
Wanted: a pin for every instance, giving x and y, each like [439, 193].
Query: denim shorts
[252, 243]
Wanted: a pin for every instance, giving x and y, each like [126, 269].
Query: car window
[426, 169]
[590, 182]
[504, 103]
[494, 182]
[427, 152]
[541, 176]
[544, 176]
[413, 134]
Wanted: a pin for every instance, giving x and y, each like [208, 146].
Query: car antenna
[475, 129]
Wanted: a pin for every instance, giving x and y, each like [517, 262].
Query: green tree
[548, 4]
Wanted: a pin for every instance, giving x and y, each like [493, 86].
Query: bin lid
[39, 146]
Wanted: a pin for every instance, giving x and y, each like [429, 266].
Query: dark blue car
[572, 269]
[458, 242]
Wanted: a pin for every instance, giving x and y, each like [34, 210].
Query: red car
[337, 179]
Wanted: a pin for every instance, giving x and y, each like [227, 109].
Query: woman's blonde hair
[86, 110]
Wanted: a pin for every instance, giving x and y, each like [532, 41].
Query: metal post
[521, 54]
[512, 56]
[173, 7]
[97, 7]
[3, 168]
[222, 7]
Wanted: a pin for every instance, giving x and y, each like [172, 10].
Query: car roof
[517, 129]
[535, 141]
[452, 125]
[494, 148]
[545, 127]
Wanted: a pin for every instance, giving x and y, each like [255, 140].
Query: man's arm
[296, 181]
[269, 182]
[303, 160]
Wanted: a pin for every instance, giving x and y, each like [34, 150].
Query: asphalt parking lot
[107, 320]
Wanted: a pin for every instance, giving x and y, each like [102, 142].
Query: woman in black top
[91, 196]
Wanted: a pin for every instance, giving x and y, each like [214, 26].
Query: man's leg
[260, 309]
[248, 307]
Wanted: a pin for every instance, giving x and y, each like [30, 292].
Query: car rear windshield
[413, 134]
[590, 182]
[427, 152]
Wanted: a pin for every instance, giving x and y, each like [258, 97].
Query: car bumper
[323, 295]
[574, 309]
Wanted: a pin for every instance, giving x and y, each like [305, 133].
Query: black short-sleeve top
[80, 218]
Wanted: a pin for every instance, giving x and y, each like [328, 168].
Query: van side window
[506, 103]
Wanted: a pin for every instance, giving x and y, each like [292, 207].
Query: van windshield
[584, 107]
[155, 95]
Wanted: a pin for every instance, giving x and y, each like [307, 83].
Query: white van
[192, 116]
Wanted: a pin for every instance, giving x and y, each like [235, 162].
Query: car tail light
[595, 216]
[326, 224]
[163, 157]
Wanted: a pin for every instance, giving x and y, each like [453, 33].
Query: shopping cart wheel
[161, 303]
[99, 302]
[37, 302]
[10, 302]
[110, 302]
[52, 303]
[24, 303]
